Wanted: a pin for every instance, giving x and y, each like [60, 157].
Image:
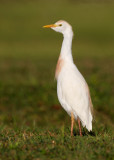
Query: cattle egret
[72, 89]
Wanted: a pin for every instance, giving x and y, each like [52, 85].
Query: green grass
[32, 123]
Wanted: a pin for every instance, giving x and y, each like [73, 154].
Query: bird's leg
[72, 123]
[79, 127]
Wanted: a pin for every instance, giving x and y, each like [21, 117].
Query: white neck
[66, 49]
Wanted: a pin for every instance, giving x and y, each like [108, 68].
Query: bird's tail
[89, 122]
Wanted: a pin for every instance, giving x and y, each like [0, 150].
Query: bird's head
[60, 26]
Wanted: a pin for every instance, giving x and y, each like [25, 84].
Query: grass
[32, 123]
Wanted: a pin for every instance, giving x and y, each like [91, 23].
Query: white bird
[72, 89]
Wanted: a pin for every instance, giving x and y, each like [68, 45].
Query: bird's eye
[60, 24]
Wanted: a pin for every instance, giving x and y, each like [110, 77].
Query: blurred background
[28, 56]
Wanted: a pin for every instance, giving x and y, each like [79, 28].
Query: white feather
[73, 95]
[72, 89]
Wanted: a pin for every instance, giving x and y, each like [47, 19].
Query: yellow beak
[49, 26]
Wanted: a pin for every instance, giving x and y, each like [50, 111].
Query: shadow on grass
[85, 133]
